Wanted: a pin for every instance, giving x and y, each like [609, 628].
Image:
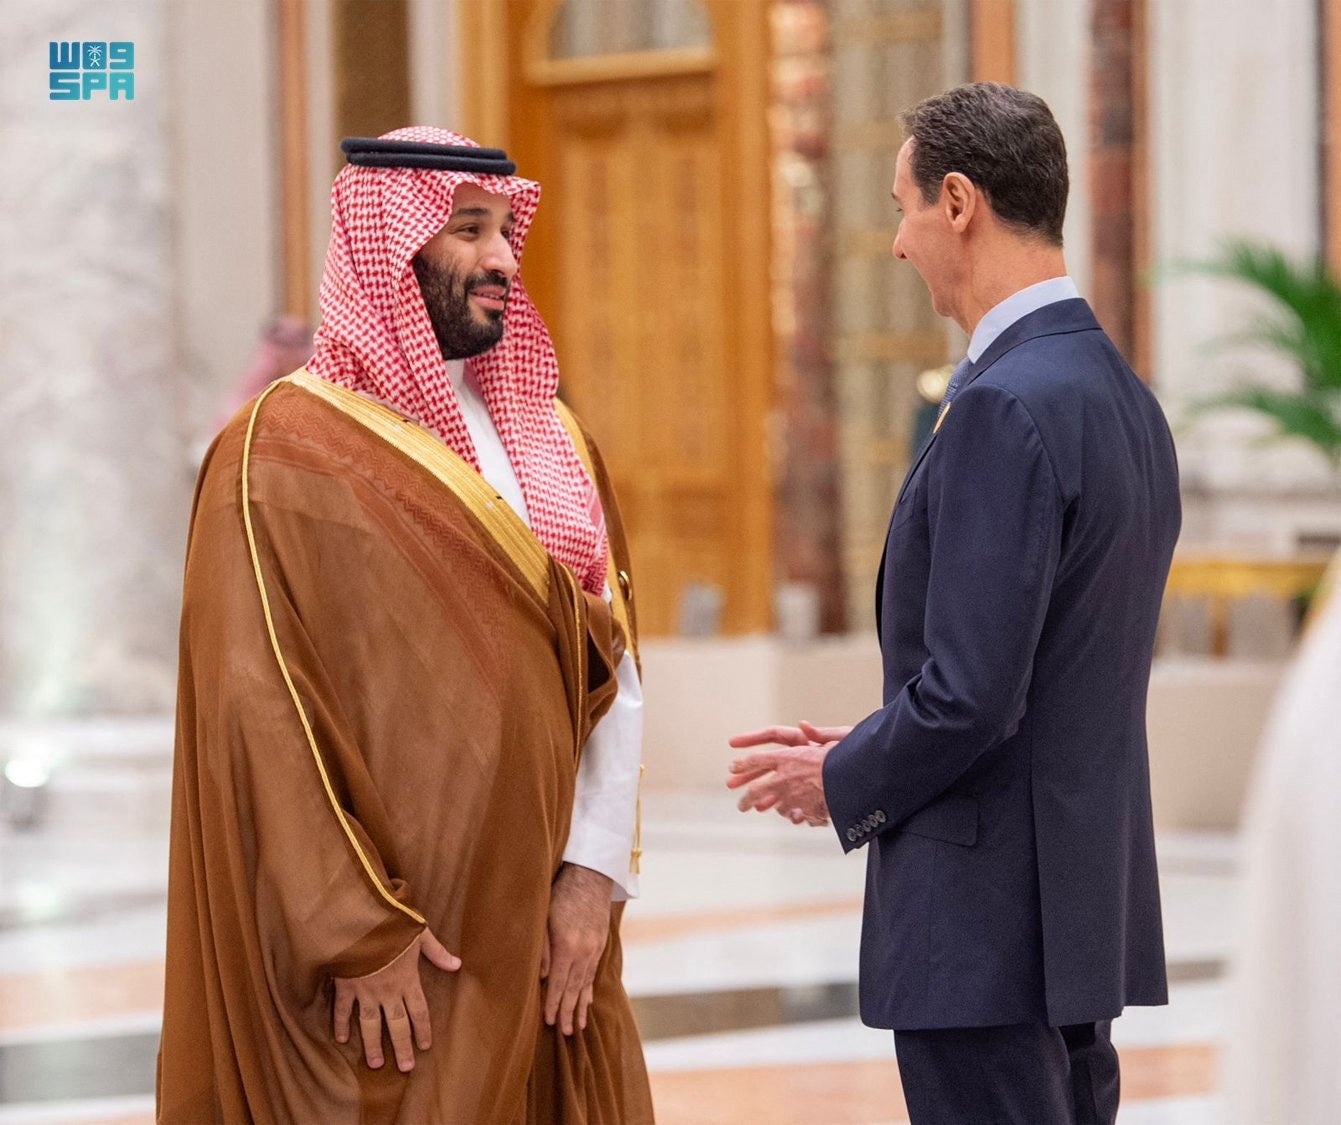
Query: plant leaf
[1307, 327]
[1295, 415]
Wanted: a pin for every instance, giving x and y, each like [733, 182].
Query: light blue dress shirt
[1018, 305]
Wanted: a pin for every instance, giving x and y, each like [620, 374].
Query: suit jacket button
[879, 817]
[852, 835]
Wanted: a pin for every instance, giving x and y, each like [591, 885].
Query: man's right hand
[397, 992]
[800, 806]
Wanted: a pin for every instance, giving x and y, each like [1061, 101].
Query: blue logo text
[80, 70]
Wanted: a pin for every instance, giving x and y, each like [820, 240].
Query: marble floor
[741, 957]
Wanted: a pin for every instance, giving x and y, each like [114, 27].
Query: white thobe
[1285, 980]
[605, 804]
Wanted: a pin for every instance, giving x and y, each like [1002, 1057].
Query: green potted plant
[1304, 325]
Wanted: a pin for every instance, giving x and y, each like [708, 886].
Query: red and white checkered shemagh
[375, 337]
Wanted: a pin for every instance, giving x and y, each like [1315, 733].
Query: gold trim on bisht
[284, 667]
[407, 436]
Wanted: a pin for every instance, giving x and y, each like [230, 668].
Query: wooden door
[650, 262]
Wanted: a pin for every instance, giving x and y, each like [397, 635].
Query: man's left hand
[789, 778]
[579, 926]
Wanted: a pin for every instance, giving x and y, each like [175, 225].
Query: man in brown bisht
[409, 719]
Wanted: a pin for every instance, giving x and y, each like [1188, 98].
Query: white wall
[701, 692]
[1234, 123]
[224, 169]
[1052, 61]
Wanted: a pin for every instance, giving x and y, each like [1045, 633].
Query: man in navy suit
[1012, 900]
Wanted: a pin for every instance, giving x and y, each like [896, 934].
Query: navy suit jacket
[1004, 786]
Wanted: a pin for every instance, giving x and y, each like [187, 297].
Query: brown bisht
[385, 684]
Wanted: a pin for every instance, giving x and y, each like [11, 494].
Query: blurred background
[712, 255]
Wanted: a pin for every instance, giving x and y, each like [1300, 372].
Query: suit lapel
[1058, 318]
[884, 554]
[917, 460]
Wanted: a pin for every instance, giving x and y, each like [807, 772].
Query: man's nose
[499, 257]
[897, 248]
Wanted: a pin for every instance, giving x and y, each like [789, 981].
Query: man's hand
[397, 992]
[579, 926]
[789, 779]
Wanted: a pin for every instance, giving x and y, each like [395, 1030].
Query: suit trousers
[1019, 1074]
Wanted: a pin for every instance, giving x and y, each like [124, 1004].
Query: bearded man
[409, 718]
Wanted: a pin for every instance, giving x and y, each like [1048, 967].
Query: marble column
[886, 55]
[95, 476]
[1114, 156]
[807, 542]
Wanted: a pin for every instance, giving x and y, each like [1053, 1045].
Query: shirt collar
[1015, 307]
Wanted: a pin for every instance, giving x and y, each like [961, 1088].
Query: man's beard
[447, 297]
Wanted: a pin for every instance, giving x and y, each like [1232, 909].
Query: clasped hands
[579, 926]
[789, 778]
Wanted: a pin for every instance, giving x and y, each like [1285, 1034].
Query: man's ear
[959, 198]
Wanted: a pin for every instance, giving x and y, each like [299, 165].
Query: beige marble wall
[94, 484]
[137, 266]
